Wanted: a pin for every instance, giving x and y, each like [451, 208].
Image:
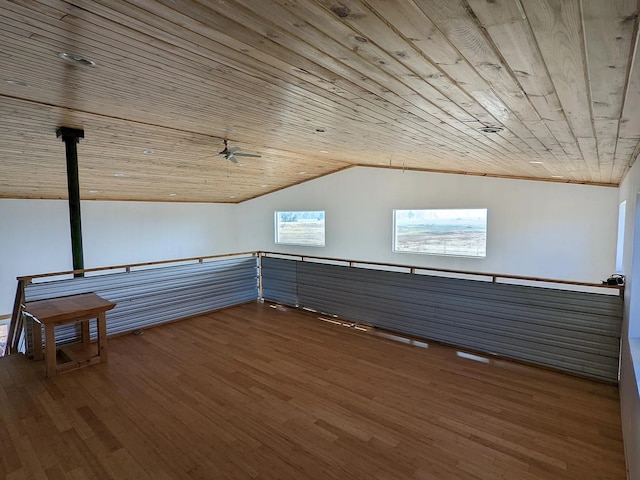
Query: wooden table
[64, 310]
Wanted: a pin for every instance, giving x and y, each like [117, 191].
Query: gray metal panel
[279, 282]
[157, 295]
[573, 331]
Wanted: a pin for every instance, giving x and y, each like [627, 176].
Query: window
[4, 333]
[300, 228]
[461, 232]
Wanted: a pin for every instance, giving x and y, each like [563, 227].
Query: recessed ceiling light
[76, 59]
[228, 129]
[533, 162]
[241, 164]
[17, 83]
[324, 151]
[382, 163]
[172, 194]
[148, 151]
[303, 173]
[490, 129]
[93, 191]
[557, 176]
[118, 174]
[232, 196]
[263, 186]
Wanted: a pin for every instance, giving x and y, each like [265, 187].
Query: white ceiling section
[313, 86]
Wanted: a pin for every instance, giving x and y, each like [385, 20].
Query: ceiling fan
[232, 153]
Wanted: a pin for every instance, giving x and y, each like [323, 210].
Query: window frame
[277, 232]
[394, 240]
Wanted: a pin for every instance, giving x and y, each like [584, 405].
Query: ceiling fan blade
[232, 157]
[233, 149]
[247, 155]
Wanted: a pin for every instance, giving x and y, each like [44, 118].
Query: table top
[60, 309]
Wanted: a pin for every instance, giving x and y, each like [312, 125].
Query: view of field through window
[300, 228]
[4, 331]
[461, 232]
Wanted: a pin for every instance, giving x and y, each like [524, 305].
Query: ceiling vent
[488, 129]
[76, 59]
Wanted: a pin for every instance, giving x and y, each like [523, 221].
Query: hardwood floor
[271, 393]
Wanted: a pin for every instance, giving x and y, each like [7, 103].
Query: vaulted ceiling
[313, 86]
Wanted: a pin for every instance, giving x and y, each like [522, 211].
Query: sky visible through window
[461, 232]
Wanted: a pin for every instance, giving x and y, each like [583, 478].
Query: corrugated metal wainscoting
[572, 331]
[279, 280]
[156, 295]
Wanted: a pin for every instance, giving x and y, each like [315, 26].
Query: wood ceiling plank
[197, 169]
[589, 150]
[608, 29]
[510, 32]
[623, 157]
[425, 37]
[571, 149]
[630, 120]
[388, 50]
[252, 97]
[431, 111]
[464, 34]
[469, 43]
[290, 68]
[492, 103]
[557, 27]
[606, 139]
[506, 23]
[365, 24]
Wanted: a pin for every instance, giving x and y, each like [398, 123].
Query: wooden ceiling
[314, 86]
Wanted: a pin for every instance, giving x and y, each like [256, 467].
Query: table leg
[86, 339]
[37, 341]
[102, 337]
[50, 354]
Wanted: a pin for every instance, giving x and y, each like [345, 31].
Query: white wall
[543, 229]
[34, 235]
[130, 232]
[630, 373]
[34, 238]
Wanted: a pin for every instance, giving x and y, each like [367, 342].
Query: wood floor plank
[254, 392]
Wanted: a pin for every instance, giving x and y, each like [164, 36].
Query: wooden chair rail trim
[413, 269]
[128, 267]
[304, 258]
